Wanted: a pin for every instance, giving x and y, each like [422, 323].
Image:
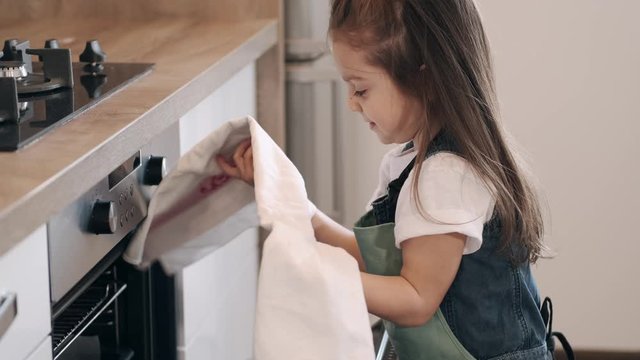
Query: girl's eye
[359, 93]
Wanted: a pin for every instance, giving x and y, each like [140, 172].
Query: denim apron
[491, 310]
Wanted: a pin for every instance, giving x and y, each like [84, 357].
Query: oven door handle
[8, 311]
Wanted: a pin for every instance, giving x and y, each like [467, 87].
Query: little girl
[446, 245]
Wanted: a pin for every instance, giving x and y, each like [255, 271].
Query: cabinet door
[24, 278]
[216, 296]
[216, 302]
[235, 98]
[43, 352]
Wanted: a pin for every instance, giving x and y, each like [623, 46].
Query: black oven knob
[103, 218]
[9, 50]
[155, 170]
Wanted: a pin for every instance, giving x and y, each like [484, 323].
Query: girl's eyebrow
[352, 77]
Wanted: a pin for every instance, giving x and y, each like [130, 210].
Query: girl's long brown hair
[437, 51]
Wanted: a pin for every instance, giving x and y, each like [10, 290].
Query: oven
[101, 307]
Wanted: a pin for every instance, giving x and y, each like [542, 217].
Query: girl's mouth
[372, 125]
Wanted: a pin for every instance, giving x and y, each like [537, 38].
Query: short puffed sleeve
[454, 198]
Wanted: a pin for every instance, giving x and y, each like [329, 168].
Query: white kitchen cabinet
[43, 352]
[215, 297]
[218, 302]
[235, 98]
[24, 276]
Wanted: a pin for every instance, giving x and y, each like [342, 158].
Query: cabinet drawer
[24, 276]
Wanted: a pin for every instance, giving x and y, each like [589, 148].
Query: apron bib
[433, 340]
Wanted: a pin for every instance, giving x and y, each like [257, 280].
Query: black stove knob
[103, 218]
[9, 50]
[93, 53]
[51, 44]
[155, 171]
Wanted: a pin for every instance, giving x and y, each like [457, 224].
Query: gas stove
[38, 96]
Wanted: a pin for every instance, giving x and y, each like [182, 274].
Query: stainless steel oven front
[102, 308]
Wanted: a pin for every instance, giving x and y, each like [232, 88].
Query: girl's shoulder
[453, 197]
[446, 161]
[447, 169]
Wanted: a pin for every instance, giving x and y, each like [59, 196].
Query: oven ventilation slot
[78, 316]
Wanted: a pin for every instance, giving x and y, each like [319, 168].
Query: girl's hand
[242, 166]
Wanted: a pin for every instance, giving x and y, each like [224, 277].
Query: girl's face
[392, 115]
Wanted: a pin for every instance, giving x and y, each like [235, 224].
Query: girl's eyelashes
[359, 93]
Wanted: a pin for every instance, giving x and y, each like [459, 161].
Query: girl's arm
[430, 264]
[330, 232]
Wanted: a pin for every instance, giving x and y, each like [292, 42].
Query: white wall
[360, 161]
[568, 75]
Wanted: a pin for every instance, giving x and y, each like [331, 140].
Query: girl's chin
[383, 139]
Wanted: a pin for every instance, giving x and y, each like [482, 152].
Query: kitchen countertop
[192, 58]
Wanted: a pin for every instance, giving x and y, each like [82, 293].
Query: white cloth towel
[310, 301]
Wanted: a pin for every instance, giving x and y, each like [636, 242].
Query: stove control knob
[9, 50]
[103, 218]
[93, 53]
[51, 44]
[155, 170]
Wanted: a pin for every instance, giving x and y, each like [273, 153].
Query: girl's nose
[354, 105]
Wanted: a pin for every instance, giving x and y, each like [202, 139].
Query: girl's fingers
[243, 146]
[226, 167]
[238, 155]
[242, 166]
[246, 163]
[248, 158]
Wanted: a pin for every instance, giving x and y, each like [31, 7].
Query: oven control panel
[123, 206]
[90, 227]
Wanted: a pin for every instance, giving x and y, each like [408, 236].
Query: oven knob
[103, 218]
[155, 171]
[93, 53]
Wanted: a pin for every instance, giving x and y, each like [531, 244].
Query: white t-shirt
[454, 198]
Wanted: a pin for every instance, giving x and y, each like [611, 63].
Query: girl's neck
[433, 128]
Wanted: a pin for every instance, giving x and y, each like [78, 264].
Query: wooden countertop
[192, 57]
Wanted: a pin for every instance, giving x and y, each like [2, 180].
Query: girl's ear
[422, 67]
